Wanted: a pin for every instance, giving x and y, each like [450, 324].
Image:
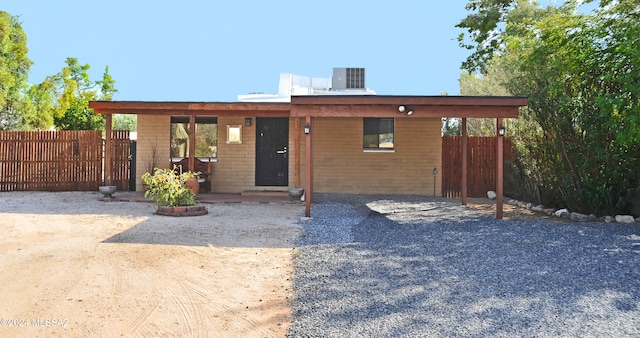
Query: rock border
[182, 211]
[565, 213]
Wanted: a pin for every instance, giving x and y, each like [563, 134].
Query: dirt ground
[509, 212]
[74, 266]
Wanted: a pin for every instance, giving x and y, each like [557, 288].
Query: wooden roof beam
[391, 111]
[515, 101]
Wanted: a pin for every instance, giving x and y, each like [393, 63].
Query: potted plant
[168, 189]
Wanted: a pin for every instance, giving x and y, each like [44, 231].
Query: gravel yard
[390, 266]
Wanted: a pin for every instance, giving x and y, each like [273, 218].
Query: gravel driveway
[391, 266]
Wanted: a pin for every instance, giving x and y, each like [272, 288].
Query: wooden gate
[121, 146]
[481, 165]
[58, 160]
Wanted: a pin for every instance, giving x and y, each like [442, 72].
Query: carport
[312, 108]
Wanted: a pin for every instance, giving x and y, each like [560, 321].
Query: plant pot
[107, 191]
[193, 185]
[296, 192]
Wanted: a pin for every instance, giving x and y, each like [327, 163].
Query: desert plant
[152, 162]
[166, 187]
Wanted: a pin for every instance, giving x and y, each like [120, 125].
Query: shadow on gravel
[412, 266]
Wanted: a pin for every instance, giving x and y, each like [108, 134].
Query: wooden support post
[499, 169]
[309, 166]
[465, 173]
[296, 133]
[192, 143]
[108, 150]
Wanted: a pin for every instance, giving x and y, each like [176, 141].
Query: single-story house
[336, 144]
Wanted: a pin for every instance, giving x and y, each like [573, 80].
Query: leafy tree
[490, 21]
[73, 91]
[581, 136]
[60, 100]
[451, 126]
[489, 84]
[14, 71]
[38, 113]
[125, 122]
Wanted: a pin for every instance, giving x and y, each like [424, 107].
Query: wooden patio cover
[311, 107]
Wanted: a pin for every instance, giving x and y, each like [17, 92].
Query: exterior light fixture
[247, 121]
[405, 109]
[307, 129]
[435, 173]
[501, 130]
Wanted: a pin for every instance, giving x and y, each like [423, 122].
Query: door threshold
[264, 193]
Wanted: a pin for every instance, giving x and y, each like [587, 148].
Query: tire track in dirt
[196, 305]
[219, 307]
[145, 312]
[187, 304]
[173, 294]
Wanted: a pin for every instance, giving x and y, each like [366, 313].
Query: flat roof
[329, 106]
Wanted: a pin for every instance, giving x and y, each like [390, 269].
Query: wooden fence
[58, 160]
[481, 165]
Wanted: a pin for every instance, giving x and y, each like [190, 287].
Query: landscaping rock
[626, 219]
[576, 216]
[562, 213]
[538, 208]
[491, 195]
[609, 219]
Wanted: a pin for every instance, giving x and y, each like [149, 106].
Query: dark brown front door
[272, 153]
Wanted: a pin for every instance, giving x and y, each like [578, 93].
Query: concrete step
[265, 193]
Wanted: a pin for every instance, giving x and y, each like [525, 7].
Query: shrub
[168, 188]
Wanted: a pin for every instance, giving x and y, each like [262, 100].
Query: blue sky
[214, 50]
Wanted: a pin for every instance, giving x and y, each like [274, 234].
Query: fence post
[108, 151]
[499, 168]
[465, 143]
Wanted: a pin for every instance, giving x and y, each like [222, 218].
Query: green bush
[168, 188]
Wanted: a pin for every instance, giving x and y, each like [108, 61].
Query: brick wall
[341, 165]
[153, 132]
[233, 172]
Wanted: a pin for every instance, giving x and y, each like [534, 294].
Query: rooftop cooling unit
[348, 78]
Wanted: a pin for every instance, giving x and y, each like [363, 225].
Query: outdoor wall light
[247, 121]
[501, 130]
[435, 173]
[307, 129]
[405, 109]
